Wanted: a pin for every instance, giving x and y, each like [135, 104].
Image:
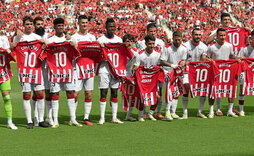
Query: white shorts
[185, 78]
[88, 84]
[107, 81]
[28, 87]
[241, 78]
[58, 86]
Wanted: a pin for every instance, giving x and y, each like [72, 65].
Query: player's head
[150, 43]
[39, 26]
[221, 35]
[196, 35]
[151, 29]
[110, 27]
[28, 24]
[177, 38]
[59, 25]
[128, 40]
[83, 23]
[225, 19]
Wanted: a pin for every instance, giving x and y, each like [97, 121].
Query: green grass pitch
[222, 136]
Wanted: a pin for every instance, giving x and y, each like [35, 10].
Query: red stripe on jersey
[5, 68]
[248, 87]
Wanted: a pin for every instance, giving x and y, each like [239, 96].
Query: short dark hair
[128, 36]
[150, 25]
[195, 29]
[149, 37]
[27, 18]
[177, 34]
[220, 29]
[252, 33]
[110, 20]
[224, 15]
[37, 19]
[58, 21]
[82, 17]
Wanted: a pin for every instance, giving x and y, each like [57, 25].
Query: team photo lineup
[148, 68]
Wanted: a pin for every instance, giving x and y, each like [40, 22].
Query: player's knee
[55, 97]
[114, 99]
[88, 100]
[26, 96]
[39, 96]
[48, 98]
[70, 96]
[7, 97]
[103, 99]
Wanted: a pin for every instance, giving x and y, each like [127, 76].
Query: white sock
[211, 109]
[102, 109]
[151, 112]
[140, 114]
[114, 106]
[55, 108]
[40, 108]
[168, 106]
[27, 110]
[241, 108]
[72, 108]
[174, 106]
[201, 104]
[9, 121]
[144, 110]
[230, 107]
[159, 104]
[218, 105]
[185, 104]
[129, 112]
[35, 109]
[87, 106]
[48, 109]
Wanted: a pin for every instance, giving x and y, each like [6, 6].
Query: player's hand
[14, 44]
[102, 45]
[19, 33]
[174, 66]
[182, 63]
[8, 51]
[67, 36]
[135, 68]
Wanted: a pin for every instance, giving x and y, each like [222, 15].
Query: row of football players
[150, 56]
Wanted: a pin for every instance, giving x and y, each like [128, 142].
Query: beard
[40, 31]
[110, 34]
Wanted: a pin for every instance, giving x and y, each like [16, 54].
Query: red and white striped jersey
[248, 85]
[226, 82]
[91, 57]
[147, 80]
[59, 59]
[117, 55]
[5, 69]
[174, 87]
[202, 77]
[28, 61]
[131, 94]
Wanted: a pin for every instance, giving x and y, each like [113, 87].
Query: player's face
[226, 21]
[221, 36]
[196, 36]
[252, 41]
[128, 43]
[152, 31]
[177, 41]
[83, 23]
[39, 24]
[29, 26]
[150, 45]
[111, 28]
[59, 28]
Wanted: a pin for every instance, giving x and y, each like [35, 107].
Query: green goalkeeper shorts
[6, 86]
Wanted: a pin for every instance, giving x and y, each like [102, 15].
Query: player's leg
[26, 89]
[141, 112]
[173, 109]
[35, 109]
[48, 104]
[159, 103]
[151, 111]
[185, 101]
[54, 94]
[103, 82]
[241, 102]
[167, 112]
[88, 86]
[218, 107]
[230, 108]
[201, 107]
[5, 88]
[211, 111]
[41, 107]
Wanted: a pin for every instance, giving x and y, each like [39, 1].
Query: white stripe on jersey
[36, 74]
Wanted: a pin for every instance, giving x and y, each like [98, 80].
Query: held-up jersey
[236, 36]
[91, 57]
[28, 61]
[174, 87]
[147, 80]
[117, 55]
[248, 85]
[59, 59]
[226, 82]
[202, 78]
[5, 69]
[131, 94]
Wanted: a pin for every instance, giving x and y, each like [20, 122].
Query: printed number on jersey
[114, 59]
[60, 59]
[30, 59]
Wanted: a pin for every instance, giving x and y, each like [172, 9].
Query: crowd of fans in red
[129, 15]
